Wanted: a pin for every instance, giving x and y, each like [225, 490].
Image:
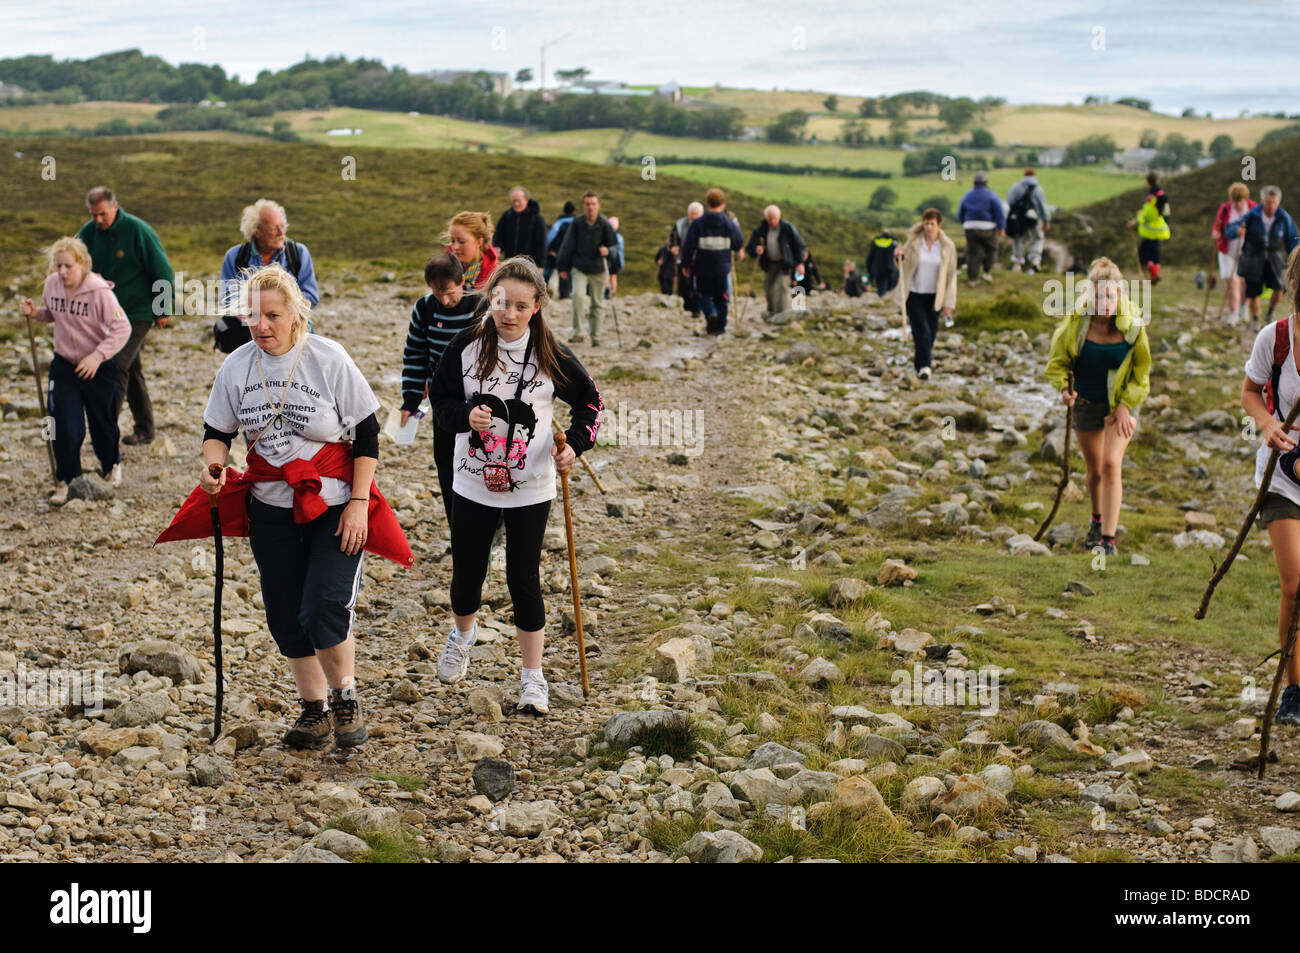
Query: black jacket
[522, 233]
[881, 267]
[581, 248]
[709, 243]
[792, 245]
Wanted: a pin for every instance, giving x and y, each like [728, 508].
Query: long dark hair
[545, 346]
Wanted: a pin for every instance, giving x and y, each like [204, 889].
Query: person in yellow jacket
[1152, 226]
[1103, 341]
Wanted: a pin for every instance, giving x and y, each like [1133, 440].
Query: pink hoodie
[88, 320]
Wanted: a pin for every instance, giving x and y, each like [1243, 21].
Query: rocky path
[738, 605]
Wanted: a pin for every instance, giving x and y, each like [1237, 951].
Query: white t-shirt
[925, 280]
[1234, 244]
[1259, 368]
[327, 396]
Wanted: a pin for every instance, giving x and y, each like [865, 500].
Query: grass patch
[620, 372]
[400, 848]
[407, 782]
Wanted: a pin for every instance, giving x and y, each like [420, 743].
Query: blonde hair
[477, 224]
[1102, 270]
[1238, 192]
[275, 278]
[252, 216]
[74, 247]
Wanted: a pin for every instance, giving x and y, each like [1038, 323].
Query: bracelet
[360, 499]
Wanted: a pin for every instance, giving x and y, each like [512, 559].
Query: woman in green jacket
[1103, 342]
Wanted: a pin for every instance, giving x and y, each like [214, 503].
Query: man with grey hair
[521, 230]
[1269, 236]
[779, 248]
[266, 242]
[125, 250]
[685, 287]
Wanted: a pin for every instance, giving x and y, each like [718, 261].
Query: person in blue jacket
[266, 242]
[1270, 238]
[706, 258]
[984, 220]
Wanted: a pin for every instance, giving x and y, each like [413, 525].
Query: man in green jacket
[127, 252]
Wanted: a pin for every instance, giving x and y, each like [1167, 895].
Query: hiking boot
[1094, 534]
[577, 339]
[534, 695]
[1109, 548]
[312, 729]
[60, 494]
[454, 660]
[114, 476]
[137, 438]
[345, 713]
[595, 343]
[924, 373]
[1288, 708]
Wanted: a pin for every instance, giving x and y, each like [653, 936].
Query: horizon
[1160, 54]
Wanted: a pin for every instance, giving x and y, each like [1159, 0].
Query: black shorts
[1267, 279]
[1089, 416]
[1277, 507]
[1149, 251]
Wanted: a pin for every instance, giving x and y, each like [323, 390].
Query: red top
[194, 521]
[486, 266]
[1223, 217]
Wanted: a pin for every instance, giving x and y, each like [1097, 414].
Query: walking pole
[583, 460]
[619, 334]
[215, 471]
[560, 440]
[1065, 463]
[40, 400]
[1210, 280]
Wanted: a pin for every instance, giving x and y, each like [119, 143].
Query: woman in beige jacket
[927, 284]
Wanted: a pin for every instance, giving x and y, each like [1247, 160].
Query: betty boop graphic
[489, 445]
[479, 448]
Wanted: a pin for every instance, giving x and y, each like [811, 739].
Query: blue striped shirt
[432, 329]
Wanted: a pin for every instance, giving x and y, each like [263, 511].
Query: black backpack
[1019, 219]
[229, 332]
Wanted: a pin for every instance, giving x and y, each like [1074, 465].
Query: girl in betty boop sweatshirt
[494, 388]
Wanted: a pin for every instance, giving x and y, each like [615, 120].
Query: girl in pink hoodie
[89, 328]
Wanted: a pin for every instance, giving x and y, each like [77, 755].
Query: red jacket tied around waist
[384, 538]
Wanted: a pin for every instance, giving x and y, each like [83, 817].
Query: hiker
[1103, 340]
[469, 238]
[706, 259]
[264, 228]
[509, 365]
[666, 263]
[1027, 221]
[853, 285]
[309, 565]
[125, 251]
[1269, 237]
[1152, 227]
[1238, 204]
[686, 287]
[778, 248]
[563, 287]
[808, 276]
[589, 244]
[882, 264]
[436, 319]
[928, 285]
[89, 328]
[617, 256]
[521, 230]
[981, 215]
[1268, 393]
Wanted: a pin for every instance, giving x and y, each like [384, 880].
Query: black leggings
[925, 327]
[471, 541]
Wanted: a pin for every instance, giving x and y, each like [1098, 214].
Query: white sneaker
[60, 494]
[924, 373]
[115, 475]
[534, 695]
[454, 660]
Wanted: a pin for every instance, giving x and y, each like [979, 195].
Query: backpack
[1281, 351]
[1022, 214]
[227, 336]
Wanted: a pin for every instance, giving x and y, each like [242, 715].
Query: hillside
[1194, 198]
[387, 219]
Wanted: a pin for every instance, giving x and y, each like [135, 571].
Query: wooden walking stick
[40, 401]
[591, 471]
[1065, 462]
[215, 471]
[1222, 569]
[1282, 663]
[1210, 279]
[560, 441]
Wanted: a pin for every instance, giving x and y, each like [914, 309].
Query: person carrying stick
[1268, 394]
[1104, 342]
[495, 388]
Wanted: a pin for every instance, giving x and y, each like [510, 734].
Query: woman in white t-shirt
[927, 284]
[298, 398]
[1280, 514]
[1231, 211]
[495, 389]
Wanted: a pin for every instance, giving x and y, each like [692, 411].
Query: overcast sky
[1176, 53]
